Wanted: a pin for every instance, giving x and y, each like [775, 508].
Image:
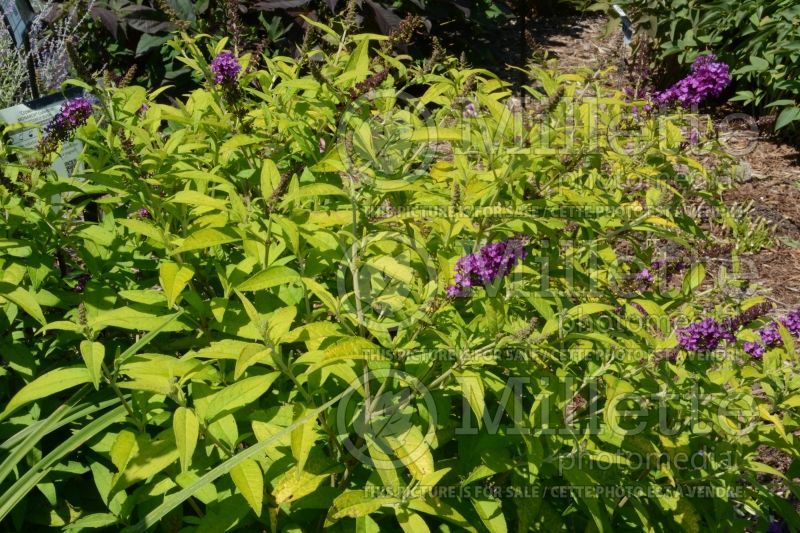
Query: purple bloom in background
[80, 286]
[776, 526]
[73, 113]
[708, 78]
[754, 350]
[703, 336]
[225, 68]
[694, 137]
[470, 111]
[645, 276]
[639, 308]
[488, 264]
[143, 109]
[322, 145]
[143, 213]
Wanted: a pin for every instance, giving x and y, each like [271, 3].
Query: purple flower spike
[708, 78]
[225, 68]
[703, 336]
[645, 276]
[490, 263]
[73, 113]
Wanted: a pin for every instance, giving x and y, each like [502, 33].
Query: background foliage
[760, 39]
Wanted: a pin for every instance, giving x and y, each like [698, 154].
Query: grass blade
[32, 477]
[173, 500]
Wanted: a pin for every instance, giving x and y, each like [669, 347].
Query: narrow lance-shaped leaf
[173, 279]
[22, 299]
[302, 439]
[47, 385]
[93, 354]
[187, 429]
[249, 480]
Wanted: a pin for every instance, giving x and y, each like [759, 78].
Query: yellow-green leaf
[93, 354]
[173, 279]
[187, 429]
[270, 177]
[249, 480]
[303, 437]
[238, 395]
[472, 390]
[47, 385]
[123, 449]
[271, 277]
[206, 238]
[24, 300]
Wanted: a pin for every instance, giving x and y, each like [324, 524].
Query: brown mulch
[772, 184]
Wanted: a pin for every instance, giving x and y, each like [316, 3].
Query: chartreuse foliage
[237, 316]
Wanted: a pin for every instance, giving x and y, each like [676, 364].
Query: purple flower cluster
[488, 264]
[754, 350]
[73, 113]
[708, 78]
[80, 286]
[470, 111]
[792, 322]
[226, 68]
[771, 336]
[703, 336]
[706, 335]
[645, 276]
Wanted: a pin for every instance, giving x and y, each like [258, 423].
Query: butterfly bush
[708, 78]
[488, 264]
[225, 68]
